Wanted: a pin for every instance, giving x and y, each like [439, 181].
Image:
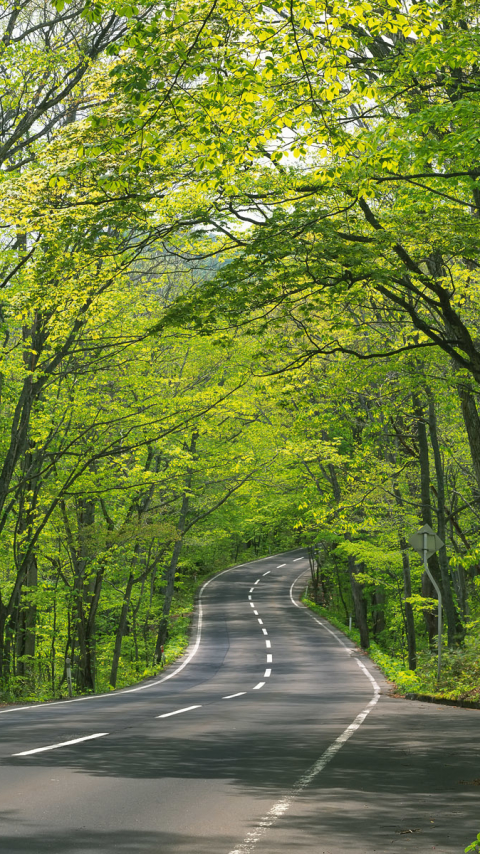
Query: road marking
[297, 605]
[281, 806]
[269, 658]
[296, 558]
[268, 644]
[268, 672]
[251, 589]
[189, 656]
[230, 696]
[267, 572]
[257, 581]
[252, 605]
[179, 711]
[157, 681]
[256, 613]
[60, 744]
[280, 565]
[260, 685]
[249, 596]
[260, 621]
[264, 631]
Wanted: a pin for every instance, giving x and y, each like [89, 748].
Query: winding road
[273, 735]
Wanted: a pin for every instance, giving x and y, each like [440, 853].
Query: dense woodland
[239, 314]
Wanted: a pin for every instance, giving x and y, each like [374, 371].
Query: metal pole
[69, 676]
[438, 592]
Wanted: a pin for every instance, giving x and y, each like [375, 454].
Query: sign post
[426, 542]
[68, 664]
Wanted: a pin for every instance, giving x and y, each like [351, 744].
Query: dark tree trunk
[121, 630]
[172, 569]
[455, 630]
[428, 590]
[359, 603]
[472, 426]
[409, 617]
[378, 612]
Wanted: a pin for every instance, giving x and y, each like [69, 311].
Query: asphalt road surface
[272, 736]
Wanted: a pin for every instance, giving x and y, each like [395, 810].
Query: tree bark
[359, 603]
[472, 425]
[455, 630]
[121, 630]
[428, 590]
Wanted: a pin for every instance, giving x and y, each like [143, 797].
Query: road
[273, 736]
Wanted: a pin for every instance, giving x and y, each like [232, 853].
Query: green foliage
[474, 846]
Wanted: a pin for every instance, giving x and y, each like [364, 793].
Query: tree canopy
[239, 313]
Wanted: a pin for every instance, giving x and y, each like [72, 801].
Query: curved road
[272, 736]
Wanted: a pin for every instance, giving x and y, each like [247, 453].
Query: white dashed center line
[252, 605]
[257, 581]
[260, 621]
[260, 685]
[179, 711]
[249, 596]
[268, 644]
[267, 572]
[60, 744]
[280, 565]
[267, 672]
[251, 589]
[230, 696]
[264, 631]
[256, 613]
[269, 657]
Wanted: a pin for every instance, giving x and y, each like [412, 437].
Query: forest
[240, 279]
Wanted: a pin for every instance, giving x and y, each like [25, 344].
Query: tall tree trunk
[455, 630]
[409, 617]
[170, 585]
[27, 622]
[428, 590]
[472, 425]
[359, 603]
[121, 630]
[172, 569]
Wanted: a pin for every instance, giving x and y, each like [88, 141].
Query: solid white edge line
[269, 658]
[302, 607]
[259, 685]
[158, 681]
[179, 711]
[230, 696]
[282, 805]
[60, 744]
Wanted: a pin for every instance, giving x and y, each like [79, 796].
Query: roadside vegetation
[239, 313]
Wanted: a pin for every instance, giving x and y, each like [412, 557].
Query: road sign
[434, 543]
